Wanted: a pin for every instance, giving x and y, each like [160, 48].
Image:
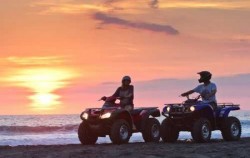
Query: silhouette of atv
[119, 124]
[200, 119]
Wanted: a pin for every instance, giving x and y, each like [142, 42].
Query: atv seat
[136, 112]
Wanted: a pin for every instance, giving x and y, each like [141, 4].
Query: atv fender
[224, 112]
[122, 114]
[155, 113]
[205, 110]
[145, 114]
[202, 106]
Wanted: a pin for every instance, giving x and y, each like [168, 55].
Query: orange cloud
[219, 4]
[68, 8]
[36, 60]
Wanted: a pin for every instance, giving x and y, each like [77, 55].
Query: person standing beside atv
[207, 90]
[125, 93]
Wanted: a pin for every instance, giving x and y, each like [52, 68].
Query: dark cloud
[153, 4]
[106, 19]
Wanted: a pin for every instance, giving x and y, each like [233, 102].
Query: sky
[61, 56]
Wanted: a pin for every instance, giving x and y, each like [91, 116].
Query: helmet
[205, 76]
[126, 78]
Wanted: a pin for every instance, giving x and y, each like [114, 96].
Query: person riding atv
[119, 120]
[125, 94]
[207, 90]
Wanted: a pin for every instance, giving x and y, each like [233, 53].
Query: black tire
[151, 131]
[120, 132]
[169, 133]
[201, 131]
[231, 130]
[85, 134]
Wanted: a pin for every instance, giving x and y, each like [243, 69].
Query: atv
[200, 119]
[118, 123]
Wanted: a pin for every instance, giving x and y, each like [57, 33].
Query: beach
[181, 149]
[56, 137]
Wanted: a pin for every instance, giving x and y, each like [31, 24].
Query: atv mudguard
[154, 112]
[205, 109]
[224, 111]
[122, 114]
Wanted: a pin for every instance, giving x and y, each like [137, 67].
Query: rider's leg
[128, 108]
[108, 105]
[214, 105]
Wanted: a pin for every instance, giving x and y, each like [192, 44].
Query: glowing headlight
[168, 109]
[85, 116]
[192, 108]
[107, 115]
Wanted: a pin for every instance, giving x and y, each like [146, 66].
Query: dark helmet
[126, 78]
[205, 76]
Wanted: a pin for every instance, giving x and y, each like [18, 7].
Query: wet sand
[181, 149]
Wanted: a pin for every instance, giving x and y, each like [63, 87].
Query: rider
[207, 90]
[125, 93]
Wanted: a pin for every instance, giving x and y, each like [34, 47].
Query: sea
[18, 130]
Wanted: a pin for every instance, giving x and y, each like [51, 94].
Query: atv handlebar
[104, 98]
[188, 98]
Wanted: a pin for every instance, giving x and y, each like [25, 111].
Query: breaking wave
[38, 129]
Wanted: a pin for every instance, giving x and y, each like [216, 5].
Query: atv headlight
[192, 108]
[107, 115]
[168, 109]
[85, 116]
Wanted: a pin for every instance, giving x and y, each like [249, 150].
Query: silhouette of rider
[125, 93]
[207, 90]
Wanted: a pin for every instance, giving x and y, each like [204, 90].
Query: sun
[43, 82]
[45, 101]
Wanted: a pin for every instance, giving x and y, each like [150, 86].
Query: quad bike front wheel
[85, 134]
[120, 132]
[151, 132]
[232, 129]
[201, 131]
[169, 133]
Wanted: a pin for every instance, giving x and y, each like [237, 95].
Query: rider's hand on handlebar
[184, 94]
[103, 98]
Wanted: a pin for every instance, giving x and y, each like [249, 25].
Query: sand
[181, 149]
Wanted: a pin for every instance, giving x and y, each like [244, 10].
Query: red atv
[118, 123]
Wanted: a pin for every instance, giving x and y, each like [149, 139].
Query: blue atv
[200, 119]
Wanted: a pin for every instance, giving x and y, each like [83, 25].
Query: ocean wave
[37, 129]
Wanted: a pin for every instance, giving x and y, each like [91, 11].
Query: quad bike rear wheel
[169, 133]
[151, 132]
[201, 131]
[85, 134]
[120, 132]
[232, 129]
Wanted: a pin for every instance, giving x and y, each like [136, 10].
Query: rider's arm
[117, 93]
[196, 89]
[187, 93]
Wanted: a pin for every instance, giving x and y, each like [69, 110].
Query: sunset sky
[61, 56]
